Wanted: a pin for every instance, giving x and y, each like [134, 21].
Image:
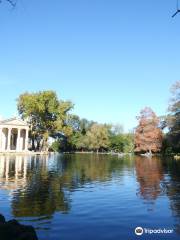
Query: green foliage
[49, 116]
[128, 143]
[122, 143]
[75, 142]
[46, 115]
[117, 143]
[173, 119]
[80, 141]
[89, 137]
[98, 137]
[85, 125]
[55, 146]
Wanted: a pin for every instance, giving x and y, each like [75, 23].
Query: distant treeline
[92, 136]
[51, 118]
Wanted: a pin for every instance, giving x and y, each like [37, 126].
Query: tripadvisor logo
[139, 231]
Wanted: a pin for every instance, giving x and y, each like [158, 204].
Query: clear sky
[110, 57]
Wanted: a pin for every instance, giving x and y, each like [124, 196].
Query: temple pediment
[14, 122]
[13, 135]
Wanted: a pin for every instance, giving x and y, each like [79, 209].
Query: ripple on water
[90, 196]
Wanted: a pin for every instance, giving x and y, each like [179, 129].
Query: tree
[173, 119]
[85, 125]
[74, 122]
[119, 141]
[116, 143]
[46, 114]
[78, 139]
[148, 135]
[128, 143]
[79, 142]
[98, 137]
[122, 143]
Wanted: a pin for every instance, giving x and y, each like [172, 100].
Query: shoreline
[99, 153]
[28, 153]
[45, 153]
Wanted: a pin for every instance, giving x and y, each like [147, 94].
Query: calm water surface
[86, 196]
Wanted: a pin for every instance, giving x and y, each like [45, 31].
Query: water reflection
[42, 185]
[38, 187]
[13, 172]
[81, 169]
[173, 189]
[149, 172]
[43, 194]
[159, 177]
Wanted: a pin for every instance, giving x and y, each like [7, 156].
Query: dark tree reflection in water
[150, 174]
[47, 187]
[173, 188]
[159, 176]
[90, 195]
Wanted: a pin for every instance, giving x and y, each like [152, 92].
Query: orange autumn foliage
[148, 136]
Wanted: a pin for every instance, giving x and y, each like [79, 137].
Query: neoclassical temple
[13, 135]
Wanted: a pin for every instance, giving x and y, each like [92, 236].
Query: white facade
[13, 135]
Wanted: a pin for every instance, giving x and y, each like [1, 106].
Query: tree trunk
[38, 145]
[33, 144]
[45, 146]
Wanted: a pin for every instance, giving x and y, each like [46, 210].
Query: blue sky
[110, 57]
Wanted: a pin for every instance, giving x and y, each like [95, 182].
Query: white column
[25, 168]
[16, 167]
[26, 140]
[2, 166]
[18, 140]
[7, 168]
[0, 139]
[9, 139]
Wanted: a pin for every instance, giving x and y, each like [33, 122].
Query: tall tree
[174, 118]
[98, 137]
[148, 135]
[46, 115]
[119, 141]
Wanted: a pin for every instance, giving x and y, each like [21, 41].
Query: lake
[91, 196]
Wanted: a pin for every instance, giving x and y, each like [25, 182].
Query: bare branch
[178, 10]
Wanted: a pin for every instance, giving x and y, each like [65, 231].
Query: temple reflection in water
[37, 187]
[14, 169]
[34, 190]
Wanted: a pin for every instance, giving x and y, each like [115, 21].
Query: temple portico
[13, 135]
